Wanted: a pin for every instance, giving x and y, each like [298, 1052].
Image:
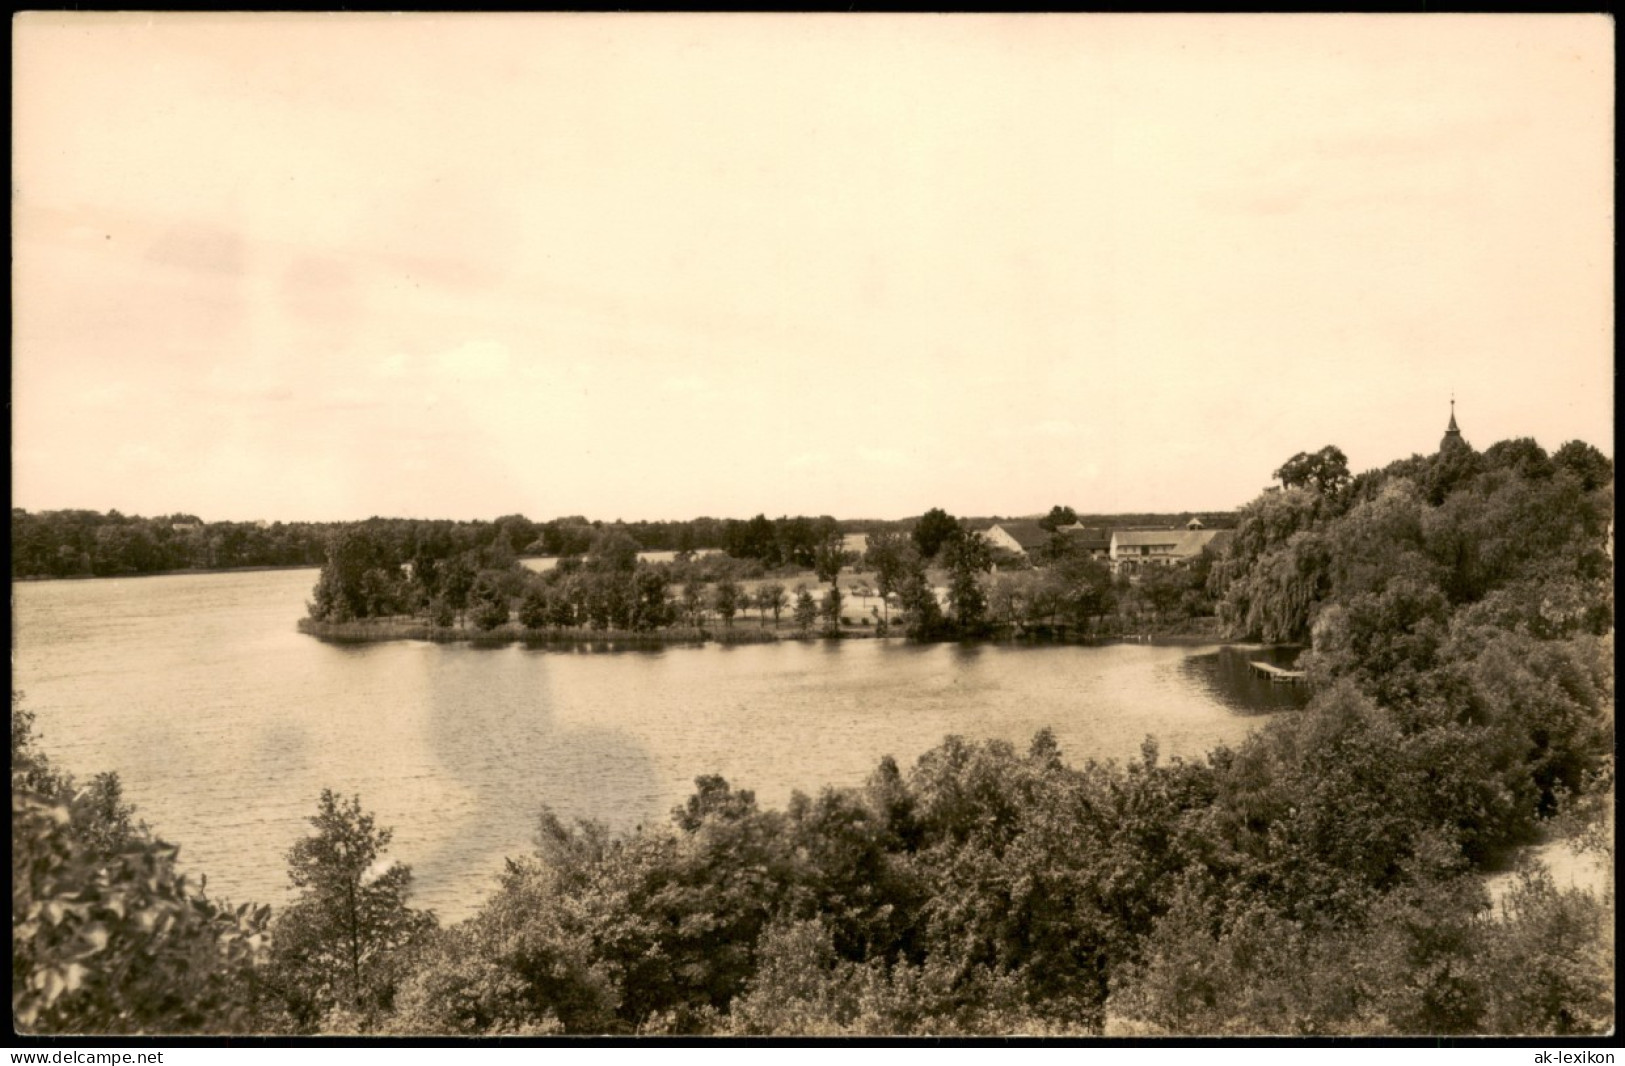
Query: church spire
[1451, 433]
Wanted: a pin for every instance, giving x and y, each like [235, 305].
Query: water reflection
[1224, 674]
[495, 730]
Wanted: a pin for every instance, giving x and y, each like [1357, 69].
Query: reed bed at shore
[400, 628]
[368, 630]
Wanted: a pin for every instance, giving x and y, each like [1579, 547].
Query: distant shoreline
[188, 571]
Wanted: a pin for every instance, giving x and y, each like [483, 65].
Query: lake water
[225, 723]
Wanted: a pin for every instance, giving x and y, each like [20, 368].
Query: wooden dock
[1277, 675]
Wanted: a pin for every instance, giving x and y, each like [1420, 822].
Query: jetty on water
[1277, 674]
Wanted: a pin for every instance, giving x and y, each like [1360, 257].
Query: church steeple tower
[1452, 435]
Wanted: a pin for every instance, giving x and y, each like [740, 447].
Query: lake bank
[190, 571]
[378, 630]
[381, 630]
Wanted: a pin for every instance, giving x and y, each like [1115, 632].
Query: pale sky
[325, 267]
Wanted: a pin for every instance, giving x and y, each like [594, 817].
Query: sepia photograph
[859, 527]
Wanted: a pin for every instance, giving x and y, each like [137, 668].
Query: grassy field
[856, 609]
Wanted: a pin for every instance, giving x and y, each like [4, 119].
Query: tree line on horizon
[84, 543]
[1324, 876]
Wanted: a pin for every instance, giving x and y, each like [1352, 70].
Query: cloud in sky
[659, 266]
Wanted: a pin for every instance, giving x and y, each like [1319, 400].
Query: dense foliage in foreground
[106, 936]
[1324, 876]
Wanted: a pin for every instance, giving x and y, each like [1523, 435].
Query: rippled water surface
[225, 723]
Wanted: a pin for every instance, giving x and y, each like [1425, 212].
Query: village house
[1018, 536]
[1125, 550]
[1092, 539]
[1134, 549]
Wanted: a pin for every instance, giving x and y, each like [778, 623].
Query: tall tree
[1592, 467]
[651, 600]
[725, 600]
[1325, 471]
[339, 946]
[360, 579]
[967, 557]
[828, 558]
[933, 528]
[890, 555]
[1058, 516]
[613, 551]
[832, 610]
[534, 606]
[694, 601]
[771, 597]
[806, 609]
[488, 601]
[919, 601]
[798, 540]
[756, 539]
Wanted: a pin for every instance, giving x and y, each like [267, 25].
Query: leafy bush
[107, 937]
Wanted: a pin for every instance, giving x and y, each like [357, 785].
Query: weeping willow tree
[1283, 590]
[1276, 570]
